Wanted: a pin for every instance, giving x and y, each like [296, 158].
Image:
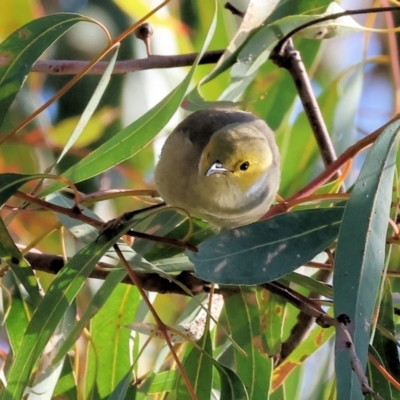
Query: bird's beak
[216, 168]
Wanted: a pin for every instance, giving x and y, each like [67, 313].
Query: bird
[220, 165]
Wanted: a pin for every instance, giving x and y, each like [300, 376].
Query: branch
[290, 59]
[53, 264]
[66, 67]
[344, 336]
[153, 282]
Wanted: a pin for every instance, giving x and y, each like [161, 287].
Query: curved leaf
[135, 136]
[253, 367]
[360, 254]
[23, 47]
[9, 184]
[51, 310]
[198, 366]
[266, 250]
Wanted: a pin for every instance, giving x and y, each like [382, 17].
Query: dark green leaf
[360, 254]
[232, 387]
[9, 184]
[198, 366]
[266, 250]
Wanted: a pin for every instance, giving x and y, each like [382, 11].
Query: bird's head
[239, 154]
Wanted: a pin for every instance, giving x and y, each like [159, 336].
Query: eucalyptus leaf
[130, 140]
[20, 50]
[50, 311]
[360, 254]
[266, 250]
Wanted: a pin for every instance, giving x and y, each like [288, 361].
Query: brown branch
[76, 213]
[67, 67]
[153, 282]
[290, 59]
[53, 264]
[304, 322]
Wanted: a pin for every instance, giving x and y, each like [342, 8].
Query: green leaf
[121, 391]
[109, 354]
[91, 106]
[309, 283]
[51, 310]
[315, 339]
[360, 254]
[23, 47]
[385, 349]
[198, 367]
[378, 382]
[18, 313]
[19, 266]
[266, 250]
[254, 369]
[135, 136]
[9, 184]
[164, 382]
[95, 304]
[248, 52]
[332, 28]
[231, 386]
[272, 315]
[256, 13]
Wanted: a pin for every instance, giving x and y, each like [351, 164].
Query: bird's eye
[244, 166]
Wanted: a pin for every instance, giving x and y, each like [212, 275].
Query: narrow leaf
[135, 136]
[360, 254]
[231, 386]
[92, 105]
[51, 310]
[198, 367]
[254, 369]
[23, 47]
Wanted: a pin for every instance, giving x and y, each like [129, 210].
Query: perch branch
[53, 264]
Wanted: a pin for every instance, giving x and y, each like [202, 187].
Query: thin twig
[356, 365]
[330, 171]
[161, 326]
[233, 9]
[76, 213]
[334, 16]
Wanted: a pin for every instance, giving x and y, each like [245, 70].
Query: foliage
[67, 336]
